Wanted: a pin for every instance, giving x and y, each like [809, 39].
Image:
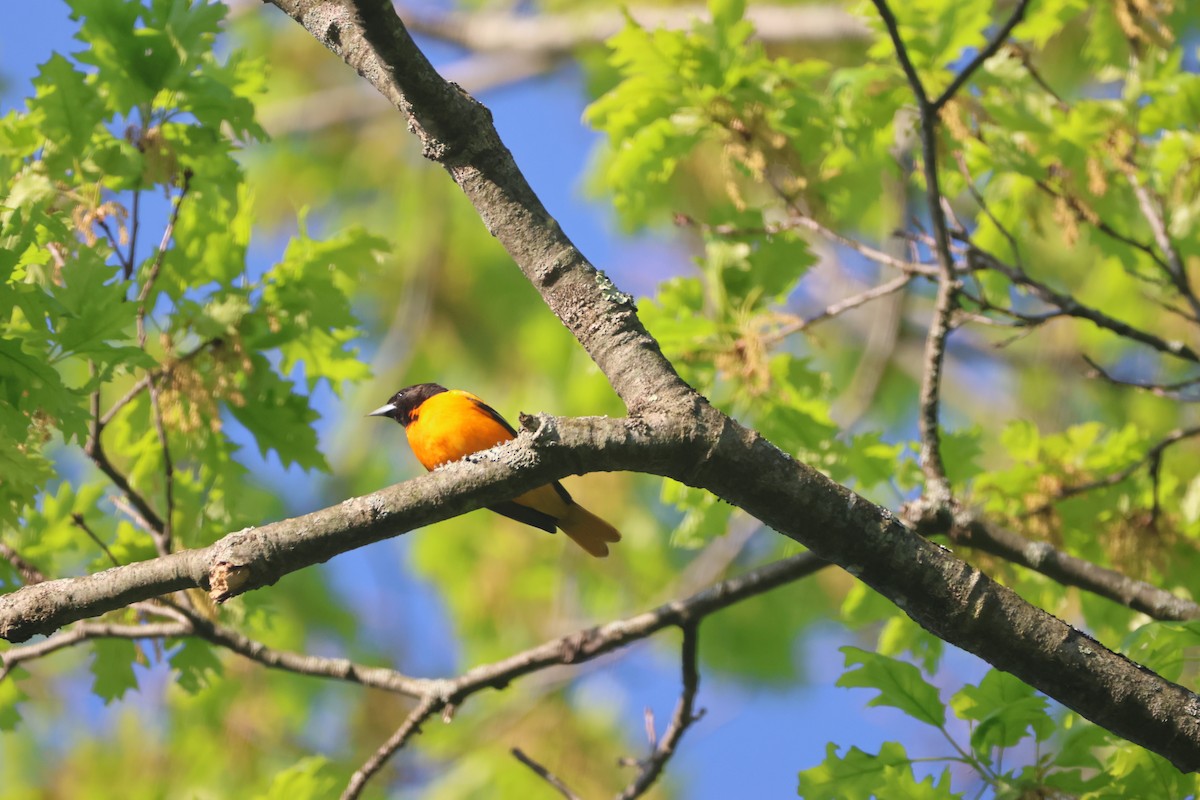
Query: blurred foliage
[272, 307]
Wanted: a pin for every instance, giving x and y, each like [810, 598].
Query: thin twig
[1152, 210]
[545, 774]
[1073, 308]
[681, 720]
[148, 515]
[1027, 63]
[305, 664]
[162, 532]
[989, 50]
[591, 643]
[84, 631]
[801, 220]
[28, 572]
[133, 231]
[910, 71]
[1081, 215]
[156, 265]
[1172, 390]
[840, 307]
[162, 536]
[937, 484]
[153, 376]
[412, 723]
[798, 219]
[968, 529]
[1151, 457]
[79, 522]
[94, 450]
[113, 242]
[961, 160]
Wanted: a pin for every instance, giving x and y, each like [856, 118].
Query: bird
[444, 425]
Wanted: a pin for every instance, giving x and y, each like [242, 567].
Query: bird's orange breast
[451, 425]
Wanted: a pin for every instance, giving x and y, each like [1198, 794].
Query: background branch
[681, 720]
[556, 35]
[549, 777]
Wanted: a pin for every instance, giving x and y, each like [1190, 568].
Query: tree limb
[545, 774]
[411, 725]
[681, 720]
[255, 557]
[557, 35]
[967, 528]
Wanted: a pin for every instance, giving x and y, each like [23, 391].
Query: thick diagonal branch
[457, 132]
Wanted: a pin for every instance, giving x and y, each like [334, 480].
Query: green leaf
[278, 418]
[901, 635]
[1021, 439]
[131, 544]
[1080, 741]
[1005, 709]
[212, 232]
[10, 696]
[960, 453]
[726, 12]
[1138, 773]
[196, 663]
[936, 34]
[859, 775]
[1163, 646]
[704, 516]
[112, 668]
[899, 683]
[309, 778]
[135, 61]
[96, 318]
[1047, 19]
[308, 299]
[70, 108]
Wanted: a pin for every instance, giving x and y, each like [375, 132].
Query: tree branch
[1151, 209]
[28, 572]
[969, 529]
[1071, 307]
[937, 486]
[681, 720]
[557, 35]
[545, 774]
[1174, 390]
[990, 49]
[840, 307]
[457, 132]
[256, 557]
[85, 631]
[412, 724]
[1152, 456]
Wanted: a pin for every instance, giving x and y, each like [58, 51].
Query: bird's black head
[402, 405]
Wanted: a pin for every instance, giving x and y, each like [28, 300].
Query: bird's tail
[588, 531]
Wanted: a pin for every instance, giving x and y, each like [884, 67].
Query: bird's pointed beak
[382, 411]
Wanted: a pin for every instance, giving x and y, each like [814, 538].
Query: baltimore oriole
[444, 425]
